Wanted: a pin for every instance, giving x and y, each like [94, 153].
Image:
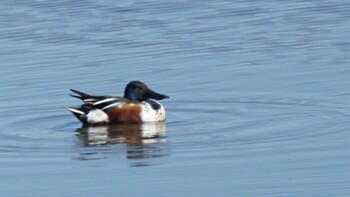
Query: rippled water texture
[259, 97]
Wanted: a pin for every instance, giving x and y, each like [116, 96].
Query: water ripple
[251, 121]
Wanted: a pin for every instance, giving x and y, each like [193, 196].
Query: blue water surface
[259, 97]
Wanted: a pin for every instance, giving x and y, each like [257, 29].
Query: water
[259, 98]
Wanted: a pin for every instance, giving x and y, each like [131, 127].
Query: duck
[139, 104]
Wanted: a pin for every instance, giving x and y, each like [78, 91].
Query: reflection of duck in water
[136, 106]
[130, 134]
[140, 141]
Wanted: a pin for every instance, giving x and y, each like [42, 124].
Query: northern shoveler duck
[136, 106]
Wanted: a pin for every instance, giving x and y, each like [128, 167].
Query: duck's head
[137, 91]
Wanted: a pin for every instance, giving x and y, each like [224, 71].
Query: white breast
[148, 114]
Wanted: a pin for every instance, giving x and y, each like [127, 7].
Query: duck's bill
[154, 95]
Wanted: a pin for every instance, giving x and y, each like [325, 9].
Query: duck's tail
[80, 95]
[87, 98]
[78, 113]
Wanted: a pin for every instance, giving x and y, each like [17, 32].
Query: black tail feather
[78, 113]
[76, 96]
[82, 95]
